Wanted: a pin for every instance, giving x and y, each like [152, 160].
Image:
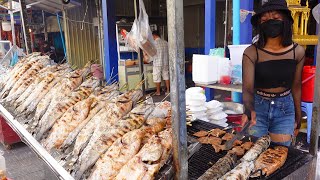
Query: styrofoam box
[236, 53]
[204, 69]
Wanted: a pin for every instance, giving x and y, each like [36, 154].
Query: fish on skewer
[86, 133]
[101, 141]
[241, 172]
[71, 119]
[16, 69]
[29, 73]
[68, 122]
[150, 158]
[259, 146]
[95, 108]
[65, 86]
[51, 115]
[14, 79]
[122, 150]
[20, 99]
[39, 92]
[220, 168]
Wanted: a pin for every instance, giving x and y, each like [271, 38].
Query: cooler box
[7, 135]
[204, 69]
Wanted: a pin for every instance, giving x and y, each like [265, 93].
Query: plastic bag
[132, 36]
[219, 52]
[236, 74]
[146, 42]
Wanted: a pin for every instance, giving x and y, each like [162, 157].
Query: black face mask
[272, 28]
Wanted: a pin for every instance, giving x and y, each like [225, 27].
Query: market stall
[80, 145]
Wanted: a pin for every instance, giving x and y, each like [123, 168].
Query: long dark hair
[286, 33]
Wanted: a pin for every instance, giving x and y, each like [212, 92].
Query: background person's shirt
[162, 56]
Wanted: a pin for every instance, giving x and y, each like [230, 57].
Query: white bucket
[6, 25]
[204, 69]
[236, 53]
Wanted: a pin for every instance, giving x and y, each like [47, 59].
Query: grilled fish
[12, 80]
[150, 158]
[261, 145]
[102, 140]
[240, 172]
[67, 123]
[53, 114]
[121, 151]
[270, 160]
[66, 86]
[29, 73]
[95, 108]
[220, 168]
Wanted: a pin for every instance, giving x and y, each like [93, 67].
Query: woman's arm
[248, 69]
[296, 86]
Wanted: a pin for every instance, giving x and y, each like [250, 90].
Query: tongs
[239, 135]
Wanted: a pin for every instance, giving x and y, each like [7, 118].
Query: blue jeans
[276, 116]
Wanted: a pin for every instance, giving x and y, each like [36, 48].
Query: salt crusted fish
[152, 156]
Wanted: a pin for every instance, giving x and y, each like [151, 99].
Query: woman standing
[272, 70]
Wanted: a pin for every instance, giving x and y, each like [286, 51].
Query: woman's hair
[286, 33]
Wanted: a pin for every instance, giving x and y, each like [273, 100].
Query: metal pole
[24, 28]
[45, 26]
[177, 80]
[226, 25]
[66, 35]
[141, 63]
[100, 36]
[12, 24]
[316, 108]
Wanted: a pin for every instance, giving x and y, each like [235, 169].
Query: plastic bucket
[308, 78]
[236, 53]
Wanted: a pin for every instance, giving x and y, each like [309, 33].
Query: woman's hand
[253, 119]
[296, 130]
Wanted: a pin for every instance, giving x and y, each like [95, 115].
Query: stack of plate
[215, 113]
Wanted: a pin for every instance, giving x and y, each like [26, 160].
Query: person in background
[160, 63]
[49, 50]
[272, 70]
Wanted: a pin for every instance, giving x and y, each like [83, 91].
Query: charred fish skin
[261, 145]
[220, 168]
[94, 110]
[67, 123]
[48, 121]
[241, 172]
[150, 158]
[121, 151]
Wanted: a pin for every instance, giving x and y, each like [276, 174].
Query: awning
[52, 6]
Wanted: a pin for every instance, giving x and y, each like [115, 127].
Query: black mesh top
[267, 71]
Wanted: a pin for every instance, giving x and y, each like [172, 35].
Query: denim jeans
[276, 116]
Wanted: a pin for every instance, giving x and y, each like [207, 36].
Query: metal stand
[177, 79]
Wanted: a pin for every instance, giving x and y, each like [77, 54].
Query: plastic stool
[307, 108]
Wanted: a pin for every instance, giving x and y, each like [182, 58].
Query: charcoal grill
[206, 157]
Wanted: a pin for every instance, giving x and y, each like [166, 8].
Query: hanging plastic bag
[132, 37]
[146, 41]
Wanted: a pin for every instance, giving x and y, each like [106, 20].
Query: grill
[206, 157]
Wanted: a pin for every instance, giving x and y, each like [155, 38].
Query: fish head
[143, 109]
[91, 82]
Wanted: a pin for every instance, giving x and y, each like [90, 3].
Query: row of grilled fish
[81, 123]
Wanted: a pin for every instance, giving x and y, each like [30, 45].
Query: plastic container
[205, 69]
[308, 78]
[224, 70]
[236, 53]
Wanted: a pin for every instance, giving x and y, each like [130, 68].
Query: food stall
[184, 164]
